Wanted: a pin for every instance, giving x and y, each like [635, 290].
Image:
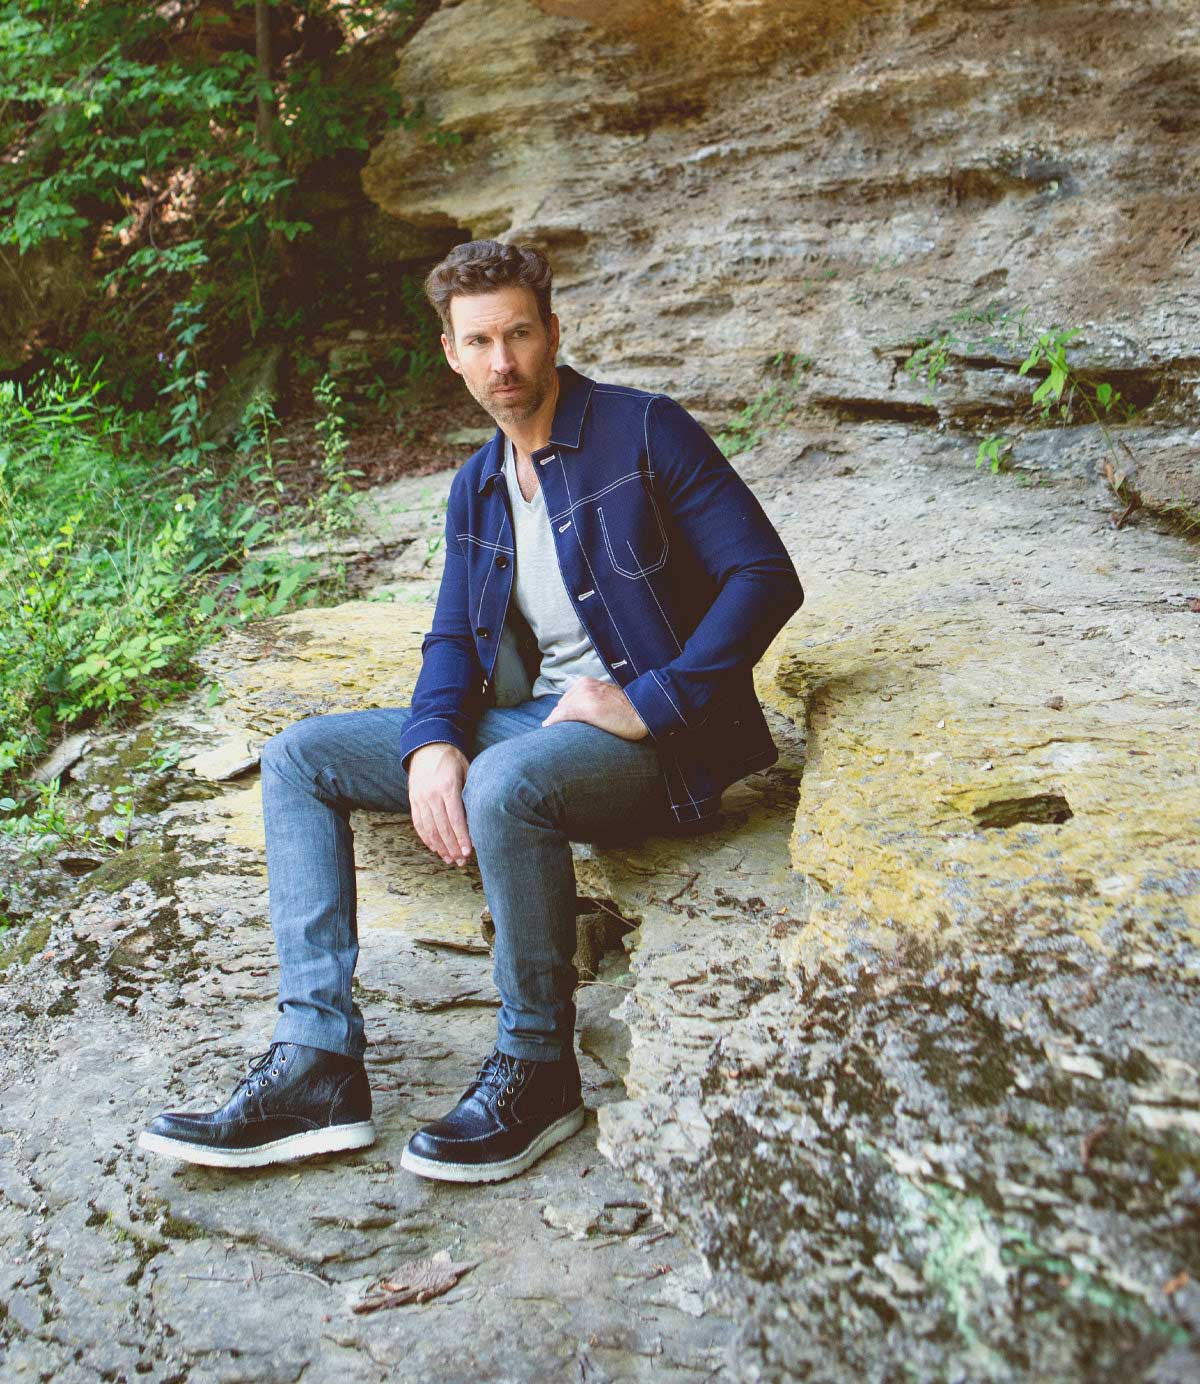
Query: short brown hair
[481, 266]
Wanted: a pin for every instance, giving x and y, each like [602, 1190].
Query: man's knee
[300, 744]
[499, 780]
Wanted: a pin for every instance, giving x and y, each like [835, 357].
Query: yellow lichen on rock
[348, 657]
[938, 802]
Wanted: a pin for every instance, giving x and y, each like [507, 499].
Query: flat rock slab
[905, 1045]
[151, 992]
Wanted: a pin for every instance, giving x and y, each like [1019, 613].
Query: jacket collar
[574, 393]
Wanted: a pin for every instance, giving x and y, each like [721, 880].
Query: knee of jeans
[498, 783]
[295, 743]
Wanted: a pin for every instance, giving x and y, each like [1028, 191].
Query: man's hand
[601, 704]
[436, 774]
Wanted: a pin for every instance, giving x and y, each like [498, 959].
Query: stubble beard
[519, 410]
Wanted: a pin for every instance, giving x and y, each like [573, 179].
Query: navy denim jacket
[678, 577]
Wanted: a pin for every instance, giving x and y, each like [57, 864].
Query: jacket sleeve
[757, 587]
[447, 698]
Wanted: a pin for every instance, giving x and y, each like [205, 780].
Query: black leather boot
[293, 1102]
[513, 1112]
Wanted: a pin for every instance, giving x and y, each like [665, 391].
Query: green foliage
[45, 822]
[333, 509]
[102, 604]
[134, 129]
[767, 410]
[252, 443]
[1061, 388]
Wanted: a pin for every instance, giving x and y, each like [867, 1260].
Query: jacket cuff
[655, 705]
[429, 730]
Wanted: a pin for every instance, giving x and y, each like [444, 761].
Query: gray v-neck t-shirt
[541, 597]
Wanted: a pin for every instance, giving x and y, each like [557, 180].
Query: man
[609, 584]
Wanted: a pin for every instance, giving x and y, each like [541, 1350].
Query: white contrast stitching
[483, 542]
[597, 494]
[666, 694]
[662, 612]
[420, 719]
[612, 557]
[684, 785]
[611, 616]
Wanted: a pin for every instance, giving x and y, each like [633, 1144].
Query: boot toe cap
[175, 1124]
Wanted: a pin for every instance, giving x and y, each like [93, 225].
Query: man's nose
[502, 358]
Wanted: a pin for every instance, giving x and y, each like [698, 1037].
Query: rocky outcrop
[718, 183]
[933, 1092]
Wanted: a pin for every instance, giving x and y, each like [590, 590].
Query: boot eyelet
[500, 1103]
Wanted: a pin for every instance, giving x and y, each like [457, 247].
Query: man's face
[503, 351]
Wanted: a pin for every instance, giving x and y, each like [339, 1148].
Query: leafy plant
[252, 443]
[188, 383]
[333, 510]
[1062, 386]
[101, 606]
[769, 409]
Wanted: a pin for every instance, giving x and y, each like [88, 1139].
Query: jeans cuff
[532, 1050]
[316, 1032]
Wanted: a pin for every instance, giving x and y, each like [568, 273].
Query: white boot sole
[496, 1172]
[332, 1139]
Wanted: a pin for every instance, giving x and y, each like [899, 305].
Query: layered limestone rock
[720, 182]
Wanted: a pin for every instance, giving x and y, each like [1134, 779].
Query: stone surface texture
[898, 1076]
[720, 181]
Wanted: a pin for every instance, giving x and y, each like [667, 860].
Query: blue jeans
[530, 790]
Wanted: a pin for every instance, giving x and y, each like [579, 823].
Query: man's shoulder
[621, 403]
[606, 388]
[606, 394]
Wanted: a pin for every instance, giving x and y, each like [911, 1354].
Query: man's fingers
[446, 835]
[458, 823]
[430, 833]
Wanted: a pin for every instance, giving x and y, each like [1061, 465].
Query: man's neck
[532, 433]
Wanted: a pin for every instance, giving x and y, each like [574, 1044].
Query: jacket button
[483, 632]
[502, 561]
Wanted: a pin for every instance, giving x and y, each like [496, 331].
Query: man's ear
[451, 354]
[554, 334]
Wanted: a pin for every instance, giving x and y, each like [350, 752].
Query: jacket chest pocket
[633, 532]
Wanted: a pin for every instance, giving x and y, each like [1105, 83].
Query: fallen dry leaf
[417, 1282]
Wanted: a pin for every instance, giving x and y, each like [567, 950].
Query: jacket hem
[702, 809]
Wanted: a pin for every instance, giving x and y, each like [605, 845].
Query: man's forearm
[446, 700]
[757, 586]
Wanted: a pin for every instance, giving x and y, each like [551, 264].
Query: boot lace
[256, 1069]
[503, 1073]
